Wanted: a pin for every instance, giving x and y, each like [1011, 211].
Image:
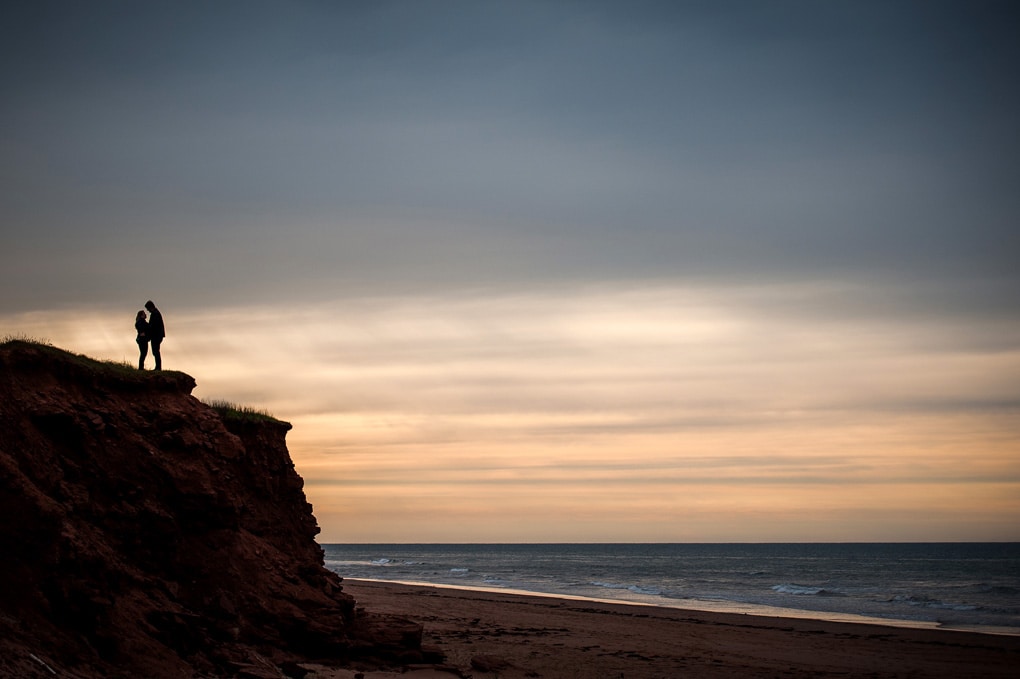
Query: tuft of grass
[232, 411]
[11, 338]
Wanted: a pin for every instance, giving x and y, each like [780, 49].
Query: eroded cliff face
[144, 534]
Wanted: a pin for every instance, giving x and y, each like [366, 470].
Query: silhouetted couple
[150, 331]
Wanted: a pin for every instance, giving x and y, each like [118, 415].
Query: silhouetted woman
[142, 326]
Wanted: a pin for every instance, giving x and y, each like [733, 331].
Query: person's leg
[143, 351]
[155, 353]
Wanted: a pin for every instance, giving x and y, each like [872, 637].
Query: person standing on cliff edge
[156, 332]
[142, 328]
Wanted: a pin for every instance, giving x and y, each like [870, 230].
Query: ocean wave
[1003, 590]
[334, 564]
[380, 562]
[636, 589]
[804, 590]
[923, 602]
[459, 571]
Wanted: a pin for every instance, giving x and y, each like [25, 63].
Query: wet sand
[510, 636]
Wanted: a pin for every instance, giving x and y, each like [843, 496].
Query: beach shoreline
[724, 607]
[513, 635]
[961, 586]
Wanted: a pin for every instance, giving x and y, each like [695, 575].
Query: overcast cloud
[256, 148]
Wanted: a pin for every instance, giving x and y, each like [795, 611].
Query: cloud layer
[249, 150]
[657, 414]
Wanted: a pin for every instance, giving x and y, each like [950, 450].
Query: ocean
[955, 585]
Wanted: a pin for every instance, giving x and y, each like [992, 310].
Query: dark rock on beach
[144, 533]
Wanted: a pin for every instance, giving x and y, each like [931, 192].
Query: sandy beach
[510, 636]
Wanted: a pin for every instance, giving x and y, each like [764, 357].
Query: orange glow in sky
[642, 414]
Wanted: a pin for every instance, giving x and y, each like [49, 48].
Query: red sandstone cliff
[144, 534]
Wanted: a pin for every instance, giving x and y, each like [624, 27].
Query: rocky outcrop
[143, 533]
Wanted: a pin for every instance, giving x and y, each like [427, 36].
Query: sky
[549, 271]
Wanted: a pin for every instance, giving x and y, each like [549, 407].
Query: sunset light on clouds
[550, 271]
[655, 415]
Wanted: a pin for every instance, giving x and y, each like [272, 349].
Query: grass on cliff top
[120, 368]
[226, 409]
[232, 411]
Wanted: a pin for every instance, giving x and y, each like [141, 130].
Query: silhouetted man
[156, 332]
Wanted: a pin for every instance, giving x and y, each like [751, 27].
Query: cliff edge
[144, 533]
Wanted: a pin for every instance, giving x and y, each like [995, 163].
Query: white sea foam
[803, 590]
[336, 564]
[652, 591]
[933, 603]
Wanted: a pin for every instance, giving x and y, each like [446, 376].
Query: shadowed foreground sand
[513, 636]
